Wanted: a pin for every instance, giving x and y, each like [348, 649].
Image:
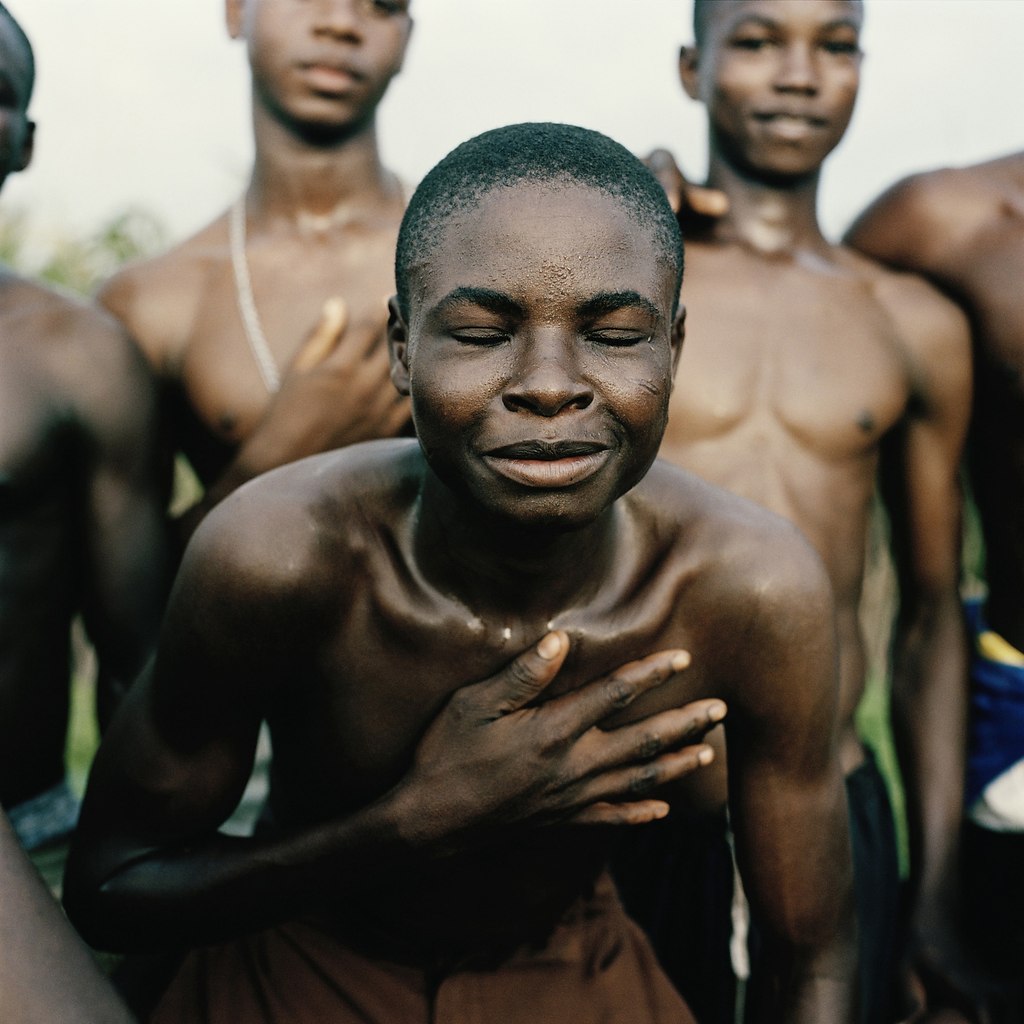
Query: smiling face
[321, 65]
[779, 79]
[539, 351]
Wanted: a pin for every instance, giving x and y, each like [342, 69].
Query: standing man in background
[964, 229]
[810, 370]
[266, 328]
[80, 518]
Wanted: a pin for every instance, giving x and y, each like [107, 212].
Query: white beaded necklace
[250, 316]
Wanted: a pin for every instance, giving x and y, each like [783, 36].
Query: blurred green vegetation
[79, 265]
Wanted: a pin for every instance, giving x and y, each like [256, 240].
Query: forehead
[15, 64]
[547, 239]
[723, 15]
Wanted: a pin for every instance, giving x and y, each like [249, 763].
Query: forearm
[220, 886]
[929, 718]
[807, 987]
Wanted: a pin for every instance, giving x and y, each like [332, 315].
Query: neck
[308, 184]
[494, 566]
[771, 216]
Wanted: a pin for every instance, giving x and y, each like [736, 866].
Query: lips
[790, 124]
[330, 77]
[548, 464]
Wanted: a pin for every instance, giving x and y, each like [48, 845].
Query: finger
[639, 812]
[584, 708]
[708, 202]
[662, 164]
[646, 739]
[637, 780]
[325, 337]
[524, 678]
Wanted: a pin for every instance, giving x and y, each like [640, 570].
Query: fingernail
[549, 647]
[660, 810]
[706, 756]
[680, 660]
[717, 711]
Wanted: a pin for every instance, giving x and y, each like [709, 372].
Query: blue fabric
[996, 732]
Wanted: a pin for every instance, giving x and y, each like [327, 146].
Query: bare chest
[780, 360]
[263, 308]
[401, 651]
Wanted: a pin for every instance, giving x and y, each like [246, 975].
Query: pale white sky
[145, 102]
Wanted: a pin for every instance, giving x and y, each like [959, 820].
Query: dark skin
[322, 216]
[964, 230]
[46, 972]
[489, 542]
[813, 372]
[80, 519]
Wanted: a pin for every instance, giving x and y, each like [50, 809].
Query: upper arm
[178, 753]
[113, 398]
[921, 459]
[786, 794]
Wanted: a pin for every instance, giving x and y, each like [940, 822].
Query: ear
[676, 339]
[688, 62]
[398, 347]
[234, 16]
[28, 146]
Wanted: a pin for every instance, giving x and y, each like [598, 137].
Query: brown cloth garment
[597, 968]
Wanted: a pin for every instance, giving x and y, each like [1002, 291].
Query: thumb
[708, 202]
[524, 678]
[318, 346]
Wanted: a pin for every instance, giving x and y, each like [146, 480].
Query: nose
[339, 18]
[546, 378]
[798, 69]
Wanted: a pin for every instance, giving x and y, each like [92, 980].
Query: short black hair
[557, 153]
[20, 32]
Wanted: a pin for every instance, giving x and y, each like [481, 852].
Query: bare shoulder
[158, 299]
[293, 536]
[932, 331]
[924, 217]
[85, 355]
[750, 563]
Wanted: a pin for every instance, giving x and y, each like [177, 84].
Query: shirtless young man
[964, 229]
[538, 272]
[809, 370]
[256, 369]
[80, 517]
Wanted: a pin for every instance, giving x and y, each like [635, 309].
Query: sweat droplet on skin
[506, 633]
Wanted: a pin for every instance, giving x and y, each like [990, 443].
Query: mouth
[329, 78]
[788, 124]
[548, 464]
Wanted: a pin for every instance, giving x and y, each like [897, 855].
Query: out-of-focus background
[143, 104]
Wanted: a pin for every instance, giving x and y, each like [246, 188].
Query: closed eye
[480, 335]
[618, 337]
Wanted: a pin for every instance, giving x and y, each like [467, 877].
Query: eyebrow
[609, 302]
[487, 298]
[505, 305]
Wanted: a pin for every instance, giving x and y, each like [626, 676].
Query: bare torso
[792, 373]
[346, 729]
[57, 359]
[183, 309]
